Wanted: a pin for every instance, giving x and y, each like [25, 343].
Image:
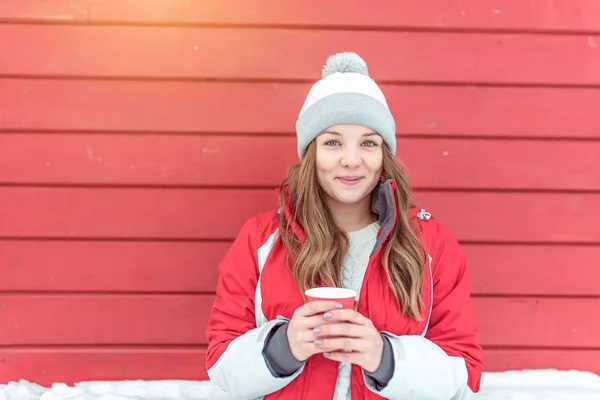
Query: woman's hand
[349, 330]
[300, 334]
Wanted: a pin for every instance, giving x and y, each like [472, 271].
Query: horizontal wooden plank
[241, 107]
[545, 322]
[60, 266]
[505, 360]
[70, 365]
[558, 15]
[129, 213]
[181, 320]
[93, 266]
[235, 53]
[533, 217]
[206, 160]
[46, 366]
[108, 319]
[34, 212]
[534, 270]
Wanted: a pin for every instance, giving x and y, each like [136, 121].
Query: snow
[115, 390]
[510, 385]
[540, 385]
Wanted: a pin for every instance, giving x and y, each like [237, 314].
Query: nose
[350, 158]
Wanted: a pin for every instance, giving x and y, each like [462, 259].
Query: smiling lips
[349, 180]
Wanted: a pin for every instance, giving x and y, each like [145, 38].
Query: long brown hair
[319, 258]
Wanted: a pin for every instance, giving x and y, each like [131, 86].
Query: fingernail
[318, 342]
[327, 315]
[316, 330]
[339, 306]
[326, 354]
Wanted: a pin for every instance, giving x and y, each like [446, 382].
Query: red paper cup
[343, 296]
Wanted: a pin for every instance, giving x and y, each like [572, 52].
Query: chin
[349, 198]
[348, 195]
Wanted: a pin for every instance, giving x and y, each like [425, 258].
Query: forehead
[349, 130]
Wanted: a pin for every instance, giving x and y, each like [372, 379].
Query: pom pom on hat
[345, 62]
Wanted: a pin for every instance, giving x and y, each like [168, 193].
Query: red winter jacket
[437, 358]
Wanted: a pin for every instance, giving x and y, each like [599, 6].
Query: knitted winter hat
[345, 95]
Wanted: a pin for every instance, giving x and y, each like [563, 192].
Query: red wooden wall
[132, 132]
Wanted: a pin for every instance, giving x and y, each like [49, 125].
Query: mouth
[349, 180]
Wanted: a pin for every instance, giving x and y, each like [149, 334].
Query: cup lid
[330, 292]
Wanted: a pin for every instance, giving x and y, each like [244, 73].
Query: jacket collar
[382, 204]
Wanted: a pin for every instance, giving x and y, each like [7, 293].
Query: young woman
[344, 220]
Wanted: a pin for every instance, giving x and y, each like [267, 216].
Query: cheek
[325, 164]
[319, 169]
[320, 176]
[375, 164]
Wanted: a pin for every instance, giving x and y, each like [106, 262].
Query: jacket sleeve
[234, 357]
[446, 362]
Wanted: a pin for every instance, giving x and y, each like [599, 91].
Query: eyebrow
[339, 134]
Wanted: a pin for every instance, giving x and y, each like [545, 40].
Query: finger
[317, 307]
[316, 321]
[346, 315]
[309, 323]
[316, 347]
[345, 343]
[310, 316]
[342, 356]
[304, 336]
[313, 328]
[344, 329]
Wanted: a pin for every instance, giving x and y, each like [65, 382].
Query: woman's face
[348, 162]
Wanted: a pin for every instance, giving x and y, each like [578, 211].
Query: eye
[332, 143]
[370, 143]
